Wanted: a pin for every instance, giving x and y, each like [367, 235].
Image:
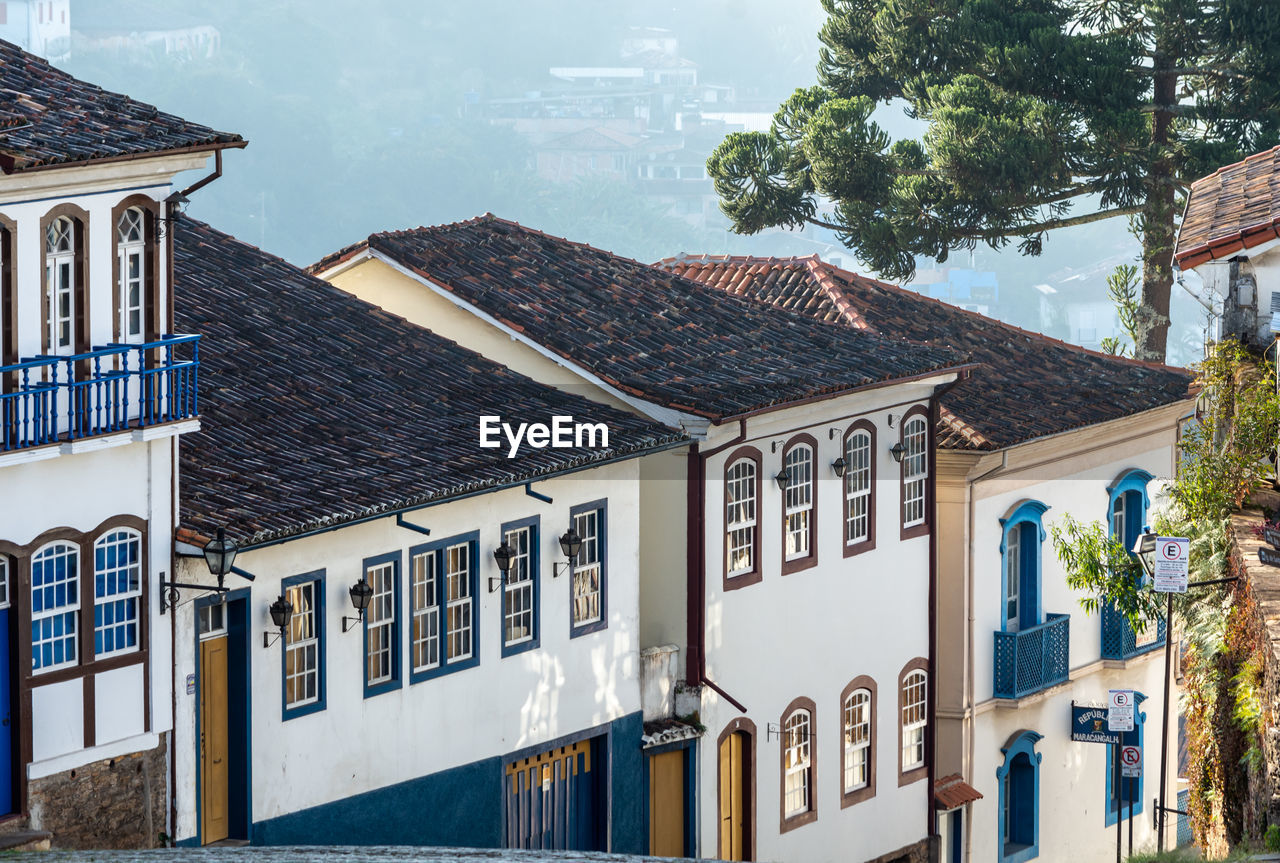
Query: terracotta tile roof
[48, 118]
[1232, 209]
[652, 334]
[317, 408]
[1029, 385]
[952, 792]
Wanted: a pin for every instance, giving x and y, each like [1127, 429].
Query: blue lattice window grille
[55, 606]
[1019, 782]
[1032, 659]
[1127, 796]
[117, 592]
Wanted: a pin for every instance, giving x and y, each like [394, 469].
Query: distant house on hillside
[42, 27]
[146, 29]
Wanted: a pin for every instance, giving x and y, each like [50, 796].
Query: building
[95, 390]
[1043, 428]
[41, 27]
[755, 569]
[1229, 236]
[343, 449]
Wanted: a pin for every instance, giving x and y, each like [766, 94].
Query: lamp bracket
[249, 576]
[269, 638]
[561, 566]
[349, 623]
[400, 522]
[774, 730]
[528, 489]
[496, 581]
[170, 591]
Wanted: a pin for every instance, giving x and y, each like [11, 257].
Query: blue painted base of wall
[459, 807]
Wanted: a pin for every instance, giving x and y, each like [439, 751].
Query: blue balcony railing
[1120, 641]
[1033, 659]
[53, 399]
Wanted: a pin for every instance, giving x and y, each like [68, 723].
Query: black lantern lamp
[570, 544]
[281, 610]
[783, 479]
[361, 594]
[1144, 547]
[898, 451]
[839, 466]
[220, 556]
[505, 555]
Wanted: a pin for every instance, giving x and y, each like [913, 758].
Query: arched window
[742, 509]
[132, 284]
[117, 592]
[915, 472]
[798, 757]
[55, 606]
[913, 710]
[63, 294]
[1020, 551]
[799, 521]
[857, 733]
[859, 488]
[1019, 779]
[1127, 504]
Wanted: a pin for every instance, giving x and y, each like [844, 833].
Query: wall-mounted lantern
[839, 466]
[361, 593]
[570, 545]
[898, 451]
[505, 555]
[281, 610]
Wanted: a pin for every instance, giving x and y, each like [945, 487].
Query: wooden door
[214, 756]
[6, 719]
[666, 804]
[734, 791]
[554, 801]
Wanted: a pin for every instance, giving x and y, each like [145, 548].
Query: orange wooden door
[214, 776]
[733, 795]
[666, 804]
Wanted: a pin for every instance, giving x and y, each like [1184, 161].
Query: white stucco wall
[357, 744]
[811, 632]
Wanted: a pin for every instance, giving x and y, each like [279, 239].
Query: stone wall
[116, 803]
[921, 852]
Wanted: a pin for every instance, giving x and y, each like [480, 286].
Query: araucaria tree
[1041, 114]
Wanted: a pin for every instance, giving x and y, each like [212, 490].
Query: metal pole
[1129, 806]
[1115, 785]
[1164, 719]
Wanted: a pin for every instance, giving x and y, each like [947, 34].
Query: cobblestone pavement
[322, 854]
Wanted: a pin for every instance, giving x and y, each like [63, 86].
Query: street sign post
[1089, 725]
[1170, 568]
[1120, 710]
[1131, 761]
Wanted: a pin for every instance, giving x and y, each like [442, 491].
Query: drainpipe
[931, 693]
[696, 562]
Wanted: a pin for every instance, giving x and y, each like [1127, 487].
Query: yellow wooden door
[214, 784]
[666, 804]
[733, 813]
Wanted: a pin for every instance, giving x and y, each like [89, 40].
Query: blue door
[6, 722]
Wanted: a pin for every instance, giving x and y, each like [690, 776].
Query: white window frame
[60, 285]
[131, 249]
[518, 610]
[132, 596]
[797, 762]
[4, 582]
[588, 584]
[459, 619]
[798, 464]
[302, 642]
[1013, 579]
[915, 717]
[380, 622]
[70, 610]
[425, 590]
[857, 487]
[209, 627]
[856, 733]
[915, 471]
[741, 484]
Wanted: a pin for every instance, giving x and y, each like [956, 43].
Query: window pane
[55, 603]
[586, 574]
[518, 614]
[302, 653]
[426, 612]
[380, 623]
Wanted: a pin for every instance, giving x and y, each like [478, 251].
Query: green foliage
[1099, 567]
[1272, 838]
[1034, 108]
[1248, 710]
[1122, 287]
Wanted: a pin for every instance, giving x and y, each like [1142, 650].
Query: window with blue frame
[520, 587]
[1126, 801]
[303, 654]
[589, 582]
[444, 576]
[1020, 549]
[1127, 505]
[1019, 783]
[117, 592]
[55, 606]
[382, 624]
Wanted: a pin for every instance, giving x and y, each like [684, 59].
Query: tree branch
[1051, 224]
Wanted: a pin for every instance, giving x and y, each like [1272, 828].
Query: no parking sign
[1130, 761]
